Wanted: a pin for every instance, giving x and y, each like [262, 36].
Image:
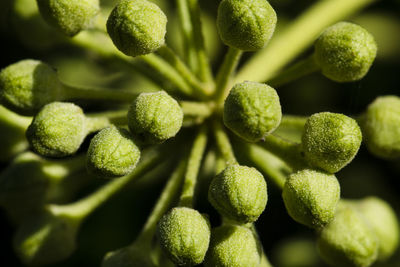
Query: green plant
[166, 98]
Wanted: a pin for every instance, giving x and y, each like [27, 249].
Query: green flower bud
[69, 16]
[137, 27]
[381, 127]
[239, 193]
[184, 235]
[45, 239]
[28, 85]
[330, 140]
[252, 110]
[112, 153]
[57, 130]
[154, 117]
[348, 240]
[382, 218]
[246, 24]
[311, 197]
[233, 246]
[345, 52]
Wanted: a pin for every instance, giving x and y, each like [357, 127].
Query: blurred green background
[287, 243]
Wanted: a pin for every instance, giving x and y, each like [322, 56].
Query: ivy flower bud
[345, 52]
[382, 218]
[57, 130]
[381, 127]
[246, 24]
[112, 153]
[239, 193]
[28, 85]
[154, 117]
[330, 140]
[233, 245]
[137, 27]
[69, 16]
[184, 235]
[252, 110]
[348, 240]
[311, 197]
[45, 239]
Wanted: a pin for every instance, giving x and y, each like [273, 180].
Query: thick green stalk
[286, 150]
[193, 167]
[297, 37]
[103, 94]
[199, 88]
[84, 207]
[223, 143]
[296, 71]
[225, 73]
[164, 201]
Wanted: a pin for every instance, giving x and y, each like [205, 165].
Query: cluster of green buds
[60, 137]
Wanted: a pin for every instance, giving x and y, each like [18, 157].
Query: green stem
[74, 92]
[225, 73]
[298, 70]
[168, 72]
[13, 119]
[286, 150]
[81, 209]
[224, 145]
[293, 121]
[273, 167]
[59, 169]
[118, 117]
[199, 88]
[204, 69]
[164, 201]
[297, 37]
[197, 109]
[193, 167]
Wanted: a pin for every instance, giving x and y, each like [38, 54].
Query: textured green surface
[137, 27]
[330, 140]
[252, 110]
[348, 241]
[154, 117]
[239, 193]
[382, 218]
[184, 235]
[112, 153]
[311, 197]
[246, 24]
[27, 85]
[345, 52]
[69, 16]
[131, 256]
[44, 239]
[381, 127]
[57, 130]
[233, 246]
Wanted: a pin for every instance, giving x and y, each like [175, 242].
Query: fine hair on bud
[252, 110]
[112, 152]
[27, 85]
[345, 52]
[233, 245]
[69, 16]
[184, 236]
[311, 197]
[239, 193]
[330, 140]
[137, 27]
[57, 130]
[348, 240]
[380, 125]
[154, 117]
[246, 24]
